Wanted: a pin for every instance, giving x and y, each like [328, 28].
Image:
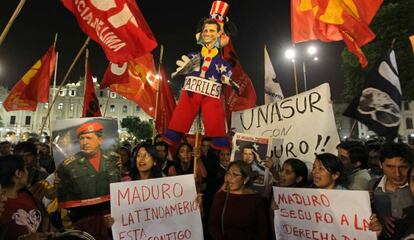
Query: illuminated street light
[291, 55]
[312, 50]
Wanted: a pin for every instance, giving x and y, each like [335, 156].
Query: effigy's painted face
[210, 34]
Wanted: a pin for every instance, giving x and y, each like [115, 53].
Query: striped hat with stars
[219, 10]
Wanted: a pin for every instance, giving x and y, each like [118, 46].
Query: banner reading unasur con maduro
[299, 126]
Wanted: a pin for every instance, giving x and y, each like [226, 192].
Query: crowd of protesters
[232, 208]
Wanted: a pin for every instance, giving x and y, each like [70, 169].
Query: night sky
[259, 22]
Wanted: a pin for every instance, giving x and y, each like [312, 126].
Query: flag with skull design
[378, 104]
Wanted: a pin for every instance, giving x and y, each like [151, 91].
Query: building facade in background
[18, 125]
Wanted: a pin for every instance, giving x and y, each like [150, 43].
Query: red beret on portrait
[89, 127]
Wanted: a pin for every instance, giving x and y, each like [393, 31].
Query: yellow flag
[412, 41]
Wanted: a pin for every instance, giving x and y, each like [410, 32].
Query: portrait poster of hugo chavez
[85, 158]
[252, 150]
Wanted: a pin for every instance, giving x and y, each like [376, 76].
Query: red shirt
[20, 216]
[95, 161]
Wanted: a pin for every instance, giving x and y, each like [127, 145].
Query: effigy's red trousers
[187, 109]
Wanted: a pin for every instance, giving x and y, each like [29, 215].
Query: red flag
[335, 20]
[90, 101]
[117, 25]
[247, 98]
[134, 80]
[302, 20]
[34, 85]
[166, 104]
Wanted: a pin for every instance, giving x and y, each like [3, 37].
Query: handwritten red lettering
[324, 218]
[304, 200]
[165, 188]
[178, 190]
[307, 233]
[179, 235]
[344, 220]
[135, 234]
[146, 193]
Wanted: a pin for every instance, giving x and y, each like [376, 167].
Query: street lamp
[311, 51]
[291, 55]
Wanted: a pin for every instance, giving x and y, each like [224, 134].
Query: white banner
[322, 214]
[299, 126]
[202, 86]
[161, 208]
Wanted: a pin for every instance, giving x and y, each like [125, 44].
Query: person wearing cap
[205, 73]
[84, 181]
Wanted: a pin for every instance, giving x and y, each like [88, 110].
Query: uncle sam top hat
[219, 10]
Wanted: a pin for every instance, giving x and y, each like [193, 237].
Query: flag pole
[352, 128]
[196, 144]
[159, 79]
[66, 78]
[85, 79]
[107, 102]
[12, 18]
[295, 75]
[53, 94]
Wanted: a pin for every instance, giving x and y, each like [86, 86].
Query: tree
[394, 20]
[138, 128]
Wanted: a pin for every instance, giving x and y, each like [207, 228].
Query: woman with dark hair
[22, 217]
[146, 162]
[293, 173]
[146, 166]
[238, 212]
[327, 171]
[184, 159]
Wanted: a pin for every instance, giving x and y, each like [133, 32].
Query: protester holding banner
[327, 171]
[84, 181]
[146, 162]
[294, 173]
[391, 192]
[146, 165]
[327, 174]
[238, 212]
